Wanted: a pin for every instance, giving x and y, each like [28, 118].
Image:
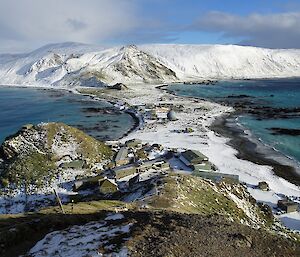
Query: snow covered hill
[226, 61]
[73, 64]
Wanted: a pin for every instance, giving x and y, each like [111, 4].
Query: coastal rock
[285, 131]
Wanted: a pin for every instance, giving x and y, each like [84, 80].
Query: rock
[285, 131]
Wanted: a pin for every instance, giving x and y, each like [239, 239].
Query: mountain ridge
[71, 64]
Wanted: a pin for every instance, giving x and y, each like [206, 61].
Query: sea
[20, 106]
[276, 101]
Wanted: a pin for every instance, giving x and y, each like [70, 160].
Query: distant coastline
[248, 150]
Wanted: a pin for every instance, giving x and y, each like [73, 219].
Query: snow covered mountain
[227, 61]
[72, 64]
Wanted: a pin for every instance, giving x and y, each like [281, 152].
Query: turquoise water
[282, 93]
[19, 106]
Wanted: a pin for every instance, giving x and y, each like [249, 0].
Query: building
[161, 165]
[134, 180]
[122, 157]
[262, 185]
[218, 177]
[27, 126]
[75, 165]
[87, 183]
[118, 86]
[124, 172]
[151, 114]
[158, 147]
[107, 186]
[287, 205]
[133, 143]
[204, 167]
[191, 158]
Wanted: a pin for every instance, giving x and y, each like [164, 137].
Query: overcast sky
[28, 24]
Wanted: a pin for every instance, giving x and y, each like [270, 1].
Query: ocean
[19, 106]
[268, 110]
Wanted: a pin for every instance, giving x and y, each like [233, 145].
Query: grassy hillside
[193, 195]
[32, 156]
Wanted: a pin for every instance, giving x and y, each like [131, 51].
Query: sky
[28, 24]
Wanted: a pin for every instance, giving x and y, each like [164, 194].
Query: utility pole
[59, 201]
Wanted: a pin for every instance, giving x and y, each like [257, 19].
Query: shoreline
[247, 149]
[135, 116]
[199, 115]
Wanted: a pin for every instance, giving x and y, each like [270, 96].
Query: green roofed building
[133, 143]
[76, 164]
[122, 157]
[217, 177]
[108, 186]
[191, 158]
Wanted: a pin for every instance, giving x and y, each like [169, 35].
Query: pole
[59, 201]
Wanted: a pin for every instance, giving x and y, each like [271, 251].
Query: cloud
[280, 30]
[76, 24]
[35, 22]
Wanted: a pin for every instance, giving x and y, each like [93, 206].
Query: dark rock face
[266, 112]
[285, 131]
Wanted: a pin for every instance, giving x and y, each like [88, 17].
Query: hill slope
[226, 61]
[40, 158]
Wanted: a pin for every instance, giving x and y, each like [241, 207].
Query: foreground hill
[40, 158]
[71, 64]
[167, 214]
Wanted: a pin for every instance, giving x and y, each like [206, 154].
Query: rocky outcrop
[34, 154]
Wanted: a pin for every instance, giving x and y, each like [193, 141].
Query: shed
[77, 164]
[27, 126]
[218, 177]
[122, 157]
[192, 158]
[287, 205]
[133, 143]
[108, 186]
[159, 147]
[124, 172]
[87, 183]
[118, 86]
[262, 185]
[162, 165]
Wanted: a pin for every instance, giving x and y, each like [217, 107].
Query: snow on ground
[207, 142]
[18, 202]
[225, 61]
[291, 220]
[84, 240]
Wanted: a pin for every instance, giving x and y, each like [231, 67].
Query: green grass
[187, 194]
[32, 167]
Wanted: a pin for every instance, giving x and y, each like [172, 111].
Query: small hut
[287, 205]
[262, 185]
[118, 86]
[108, 186]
